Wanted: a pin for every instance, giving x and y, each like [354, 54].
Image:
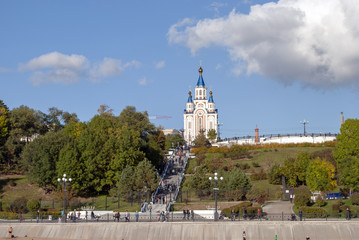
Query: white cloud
[310, 41]
[160, 64]
[66, 76]
[56, 67]
[218, 66]
[110, 67]
[143, 81]
[57, 60]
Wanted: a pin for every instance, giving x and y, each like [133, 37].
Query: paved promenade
[186, 231]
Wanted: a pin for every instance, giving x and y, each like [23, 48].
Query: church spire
[210, 99]
[189, 96]
[200, 82]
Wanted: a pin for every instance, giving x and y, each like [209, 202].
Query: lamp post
[64, 182]
[215, 180]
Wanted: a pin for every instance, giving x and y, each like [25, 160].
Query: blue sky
[271, 64]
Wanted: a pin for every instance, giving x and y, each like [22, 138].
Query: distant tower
[256, 134]
[341, 118]
[200, 114]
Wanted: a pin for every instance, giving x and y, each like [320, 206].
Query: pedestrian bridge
[259, 230]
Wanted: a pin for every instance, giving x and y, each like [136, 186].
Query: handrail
[281, 135]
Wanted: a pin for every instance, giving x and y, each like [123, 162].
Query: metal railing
[179, 217]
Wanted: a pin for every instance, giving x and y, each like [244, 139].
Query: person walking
[92, 216]
[259, 213]
[233, 215]
[86, 215]
[184, 214]
[347, 214]
[38, 215]
[245, 214]
[10, 230]
[127, 216]
[188, 214]
[307, 238]
[276, 237]
[192, 215]
[244, 235]
[136, 215]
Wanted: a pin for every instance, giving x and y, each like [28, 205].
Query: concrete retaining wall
[344, 230]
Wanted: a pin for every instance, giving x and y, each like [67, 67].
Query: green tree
[212, 134]
[174, 141]
[136, 120]
[25, 125]
[320, 175]
[146, 176]
[40, 156]
[4, 131]
[301, 164]
[201, 141]
[275, 174]
[126, 181]
[289, 171]
[347, 141]
[349, 173]
[236, 180]
[4, 123]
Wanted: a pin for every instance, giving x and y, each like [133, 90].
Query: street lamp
[304, 123]
[64, 182]
[215, 180]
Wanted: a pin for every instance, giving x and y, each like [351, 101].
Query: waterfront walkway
[255, 230]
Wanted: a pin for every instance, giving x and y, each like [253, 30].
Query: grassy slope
[265, 158]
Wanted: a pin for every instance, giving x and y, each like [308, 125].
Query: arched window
[200, 124]
[210, 125]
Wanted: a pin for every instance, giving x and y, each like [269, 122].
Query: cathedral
[200, 115]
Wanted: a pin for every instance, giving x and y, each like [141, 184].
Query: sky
[270, 64]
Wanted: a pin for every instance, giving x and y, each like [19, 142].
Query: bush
[243, 166]
[12, 183]
[302, 199]
[33, 205]
[255, 164]
[257, 195]
[354, 198]
[19, 205]
[237, 208]
[313, 212]
[261, 175]
[320, 202]
[8, 215]
[275, 175]
[302, 196]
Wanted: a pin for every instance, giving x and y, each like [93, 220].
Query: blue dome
[210, 99]
[190, 99]
[200, 82]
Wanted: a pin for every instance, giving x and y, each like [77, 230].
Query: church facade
[200, 114]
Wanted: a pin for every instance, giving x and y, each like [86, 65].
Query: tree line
[99, 155]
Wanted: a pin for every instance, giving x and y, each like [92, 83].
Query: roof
[190, 99]
[200, 82]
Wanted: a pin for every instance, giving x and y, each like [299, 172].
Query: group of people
[117, 216]
[244, 235]
[163, 216]
[187, 214]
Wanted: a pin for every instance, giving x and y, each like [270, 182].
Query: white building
[200, 114]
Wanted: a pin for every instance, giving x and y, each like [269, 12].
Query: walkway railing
[179, 217]
[269, 136]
